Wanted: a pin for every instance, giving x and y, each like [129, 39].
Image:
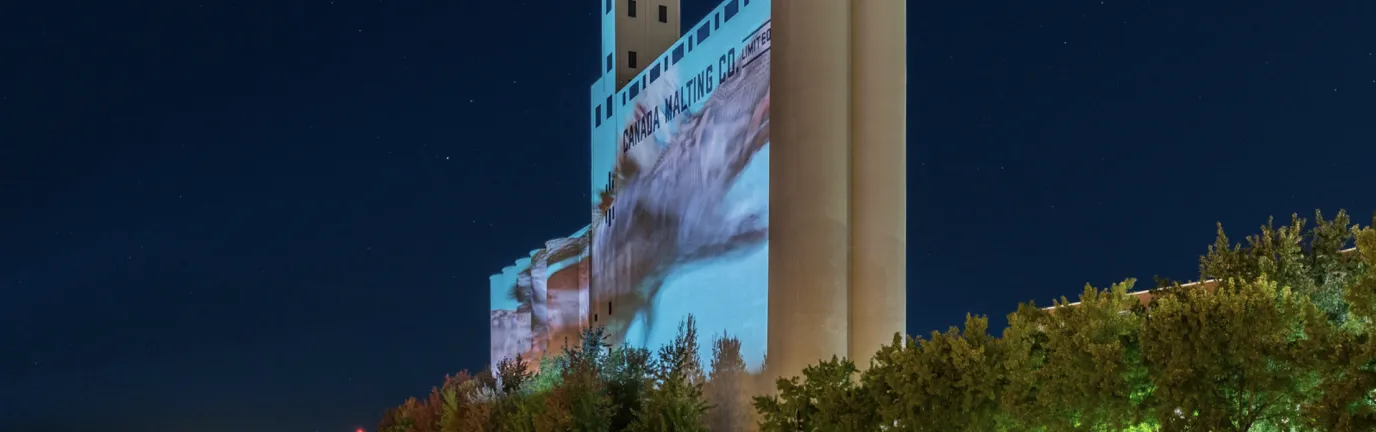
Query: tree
[513, 374]
[580, 402]
[627, 375]
[548, 374]
[950, 382]
[401, 418]
[829, 397]
[1234, 358]
[427, 414]
[513, 409]
[1347, 403]
[392, 421]
[1079, 368]
[456, 401]
[791, 410]
[1280, 338]
[727, 388]
[675, 403]
[1309, 262]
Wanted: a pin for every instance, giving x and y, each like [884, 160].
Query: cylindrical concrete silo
[809, 183]
[878, 175]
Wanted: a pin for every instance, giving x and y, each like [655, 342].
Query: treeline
[591, 386]
[1280, 339]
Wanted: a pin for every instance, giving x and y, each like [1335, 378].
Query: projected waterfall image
[683, 216]
[541, 300]
[680, 206]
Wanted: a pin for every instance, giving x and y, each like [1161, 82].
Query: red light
[360, 430]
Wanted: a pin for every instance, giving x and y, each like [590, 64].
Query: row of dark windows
[704, 32]
[731, 9]
[630, 10]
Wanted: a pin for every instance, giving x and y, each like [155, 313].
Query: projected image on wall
[541, 301]
[683, 219]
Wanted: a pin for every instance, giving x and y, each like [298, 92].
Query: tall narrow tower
[644, 29]
[634, 33]
[838, 199]
[809, 181]
[878, 173]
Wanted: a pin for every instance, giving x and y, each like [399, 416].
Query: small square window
[630, 8]
[663, 13]
[630, 59]
[609, 106]
[597, 116]
[610, 64]
[609, 6]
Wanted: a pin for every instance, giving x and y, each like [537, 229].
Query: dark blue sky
[281, 215]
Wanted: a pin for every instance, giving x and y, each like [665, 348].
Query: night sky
[281, 215]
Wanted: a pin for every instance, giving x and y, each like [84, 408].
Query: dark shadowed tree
[392, 421]
[675, 403]
[627, 376]
[581, 402]
[513, 374]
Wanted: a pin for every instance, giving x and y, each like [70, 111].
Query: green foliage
[1347, 403]
[674, 403]
[462, 408]
[1307, 262]
[582, 397]
[548, 375]
[628, 378]
[1279, 340]
[513, 408]
[952, 381]
[1232, 358]
[1362, 295]
[1079, 368]
[829, 397]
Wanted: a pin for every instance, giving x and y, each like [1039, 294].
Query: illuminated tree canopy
[1277, 337]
